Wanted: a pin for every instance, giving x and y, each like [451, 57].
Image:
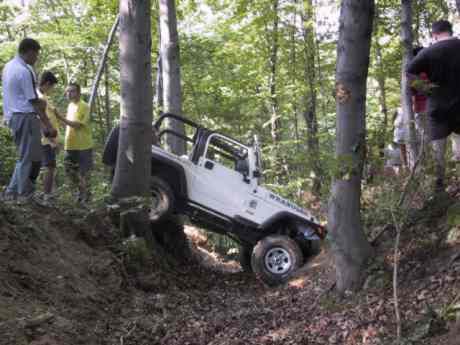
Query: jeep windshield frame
[199, 139]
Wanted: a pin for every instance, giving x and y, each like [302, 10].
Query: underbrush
[7, 155]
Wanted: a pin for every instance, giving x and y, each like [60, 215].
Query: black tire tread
[258, 254]
[167, 193]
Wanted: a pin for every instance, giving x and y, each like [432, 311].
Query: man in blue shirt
[25, 115]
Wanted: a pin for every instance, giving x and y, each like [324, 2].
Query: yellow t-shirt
[53, 119]
[78, 138]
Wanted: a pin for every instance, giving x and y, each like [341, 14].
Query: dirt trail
[64, 280]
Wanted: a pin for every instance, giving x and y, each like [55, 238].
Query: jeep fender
[172, 173]
[308, 228]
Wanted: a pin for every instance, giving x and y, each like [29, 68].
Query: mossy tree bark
[132, 173]
[170, 70]
[350, 246]
[406, 95]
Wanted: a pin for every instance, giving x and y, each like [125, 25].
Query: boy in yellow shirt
[49, 145]
[78, 142]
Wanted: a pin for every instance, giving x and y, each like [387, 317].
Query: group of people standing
[434, 73]
[35, 126]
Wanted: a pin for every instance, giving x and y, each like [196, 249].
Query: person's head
[29, 50]
[73, 92]
[441, 29]
[47, 82]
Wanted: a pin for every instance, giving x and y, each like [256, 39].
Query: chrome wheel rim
[158, 205]
[278, 260]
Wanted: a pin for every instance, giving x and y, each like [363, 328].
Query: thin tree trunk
[273, 61]
[100, 68]
[170, 63]
[158, 95]
[350, 247]
[158, 98]
[132, 173]
[293, 62]
[108, 115]
[382, 99]
[311, 96]
[102, 128]
[275, 119]
[406, 96]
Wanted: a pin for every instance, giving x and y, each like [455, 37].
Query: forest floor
[67, 278]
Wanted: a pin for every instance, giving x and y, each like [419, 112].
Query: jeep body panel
[217, 185]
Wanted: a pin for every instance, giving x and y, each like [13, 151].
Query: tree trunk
[158, 98]
[274, 106]
[406, 96]
[108, 115]
[311, 96]
[170, 65]
[132, 173]
[382, 99]
[275, 118]
[350, 246]
[100, 68]
[293, 71]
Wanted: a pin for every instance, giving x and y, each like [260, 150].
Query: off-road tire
[275, 258]
[244, 257]
[162, 199]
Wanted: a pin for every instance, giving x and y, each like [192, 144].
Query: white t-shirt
[400, 134]
[19, 81]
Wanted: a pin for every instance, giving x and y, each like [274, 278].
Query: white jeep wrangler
[217, 185]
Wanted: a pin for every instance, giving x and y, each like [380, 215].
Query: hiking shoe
[8, 197]
[32, 198]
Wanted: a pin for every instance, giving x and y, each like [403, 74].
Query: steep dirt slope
[66, 279]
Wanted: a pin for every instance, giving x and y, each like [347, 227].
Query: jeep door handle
[209, 165]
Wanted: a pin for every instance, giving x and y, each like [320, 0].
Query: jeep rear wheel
[244, 256]
[275, 258]
[162, 199]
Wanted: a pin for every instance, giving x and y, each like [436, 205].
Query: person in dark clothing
[440, 63]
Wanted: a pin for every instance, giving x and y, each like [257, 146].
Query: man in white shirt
[25, 115]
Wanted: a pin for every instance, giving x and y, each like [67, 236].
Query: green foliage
[7, 155]
[137, 254]
[225, 70]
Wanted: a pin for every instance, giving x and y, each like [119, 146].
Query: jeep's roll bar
[158, 122]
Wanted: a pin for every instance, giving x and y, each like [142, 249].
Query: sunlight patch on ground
[277, 335]
[297, 283]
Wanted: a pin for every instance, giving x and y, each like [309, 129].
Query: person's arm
[419, 71]
[73, 124]
[27, 81]
[40, 107]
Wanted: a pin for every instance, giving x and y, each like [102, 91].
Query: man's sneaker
[32, 198]
[8, 197]
[48, 199]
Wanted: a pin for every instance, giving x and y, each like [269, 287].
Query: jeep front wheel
[275, 258]
[162, 199]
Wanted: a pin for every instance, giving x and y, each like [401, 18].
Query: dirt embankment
[68, 278]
